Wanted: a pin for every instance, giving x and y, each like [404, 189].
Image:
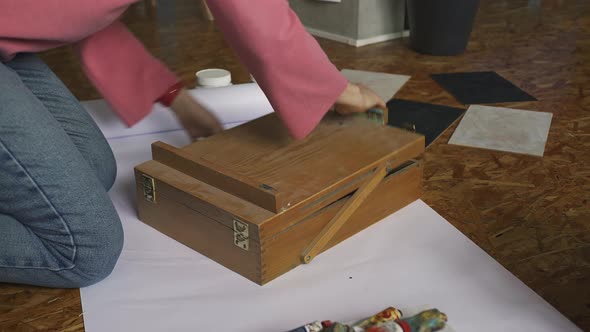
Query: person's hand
[196, 120]
[357, 98]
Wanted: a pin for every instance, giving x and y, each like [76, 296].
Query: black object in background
[441, 27]
[486, 87]
[429, 120]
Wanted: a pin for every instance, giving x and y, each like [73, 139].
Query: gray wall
[339, 18]
[356, 19]
[380, 17]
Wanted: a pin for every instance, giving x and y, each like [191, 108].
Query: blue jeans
[58, 226]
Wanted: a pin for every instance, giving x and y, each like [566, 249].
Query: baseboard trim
[357, 42]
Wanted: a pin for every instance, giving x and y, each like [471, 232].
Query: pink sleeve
[295, 74]
[33, 25]
[124, 72]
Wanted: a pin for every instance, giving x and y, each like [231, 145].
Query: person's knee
[102, 161]
[105, 164]
[95, 263]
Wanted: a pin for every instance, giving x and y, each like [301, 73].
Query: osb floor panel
[531, 214]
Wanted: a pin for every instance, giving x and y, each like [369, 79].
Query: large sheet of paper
[412, 258]
[233, 105]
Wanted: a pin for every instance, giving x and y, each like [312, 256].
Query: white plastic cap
[213, 77]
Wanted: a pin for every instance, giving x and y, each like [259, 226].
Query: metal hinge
[241, 235]
[149, 188]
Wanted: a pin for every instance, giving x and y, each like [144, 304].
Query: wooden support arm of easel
[208, 13]
[316, 246]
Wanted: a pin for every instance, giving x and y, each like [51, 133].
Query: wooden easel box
[251, 198]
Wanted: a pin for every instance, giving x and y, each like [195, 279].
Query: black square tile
[429, 120]
[485, 87]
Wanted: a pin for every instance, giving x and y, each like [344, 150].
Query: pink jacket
[288, 64]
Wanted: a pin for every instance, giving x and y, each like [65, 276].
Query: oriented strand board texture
[39, 309]
[531, 214]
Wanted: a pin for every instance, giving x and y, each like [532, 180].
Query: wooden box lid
[260, 163]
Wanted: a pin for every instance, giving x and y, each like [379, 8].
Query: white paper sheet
[503, 129]
[233, 105]
[383, 84]
[410, 258]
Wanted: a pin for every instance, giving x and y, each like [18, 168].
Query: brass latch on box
[149, 188]
[241, 235]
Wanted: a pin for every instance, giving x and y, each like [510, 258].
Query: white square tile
[385, 85]
[503, 129]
